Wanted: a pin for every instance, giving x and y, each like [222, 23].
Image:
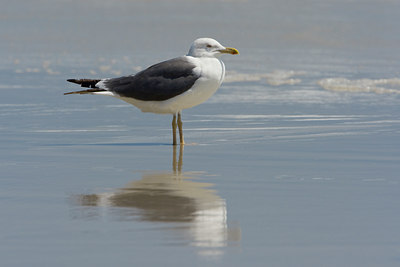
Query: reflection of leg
[180, 128]
[180, 162]
[177, 165]
[174, 130]
[174, 159]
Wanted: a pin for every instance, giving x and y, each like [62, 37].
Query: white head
[207, 47]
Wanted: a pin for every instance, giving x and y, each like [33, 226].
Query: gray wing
[159, 82]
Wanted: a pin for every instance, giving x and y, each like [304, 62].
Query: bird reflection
[171, 197]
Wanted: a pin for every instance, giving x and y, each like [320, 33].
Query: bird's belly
[200, 92]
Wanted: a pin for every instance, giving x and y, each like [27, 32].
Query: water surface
[294, 161]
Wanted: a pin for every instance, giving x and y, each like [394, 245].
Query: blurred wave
[362, 85]
[275, 78]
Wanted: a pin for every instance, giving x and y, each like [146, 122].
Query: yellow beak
[229, 50]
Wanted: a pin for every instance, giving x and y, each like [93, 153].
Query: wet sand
[293, 162]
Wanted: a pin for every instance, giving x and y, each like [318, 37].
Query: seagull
[170, 86]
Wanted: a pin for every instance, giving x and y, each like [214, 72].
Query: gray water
[295, 161]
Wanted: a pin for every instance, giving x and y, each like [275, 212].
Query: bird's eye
[209, 46]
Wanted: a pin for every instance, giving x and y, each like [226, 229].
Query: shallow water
[293, 162]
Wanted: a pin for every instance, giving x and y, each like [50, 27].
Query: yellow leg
[174, 130]
[180, 129]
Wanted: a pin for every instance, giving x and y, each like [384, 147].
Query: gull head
[207, 47]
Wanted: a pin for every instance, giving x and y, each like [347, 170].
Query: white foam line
[20, 105]
[305, 136]
[327, 119]
[5, 86]
[243, 116]
[337, 127]
[374, 122]
[77, 131]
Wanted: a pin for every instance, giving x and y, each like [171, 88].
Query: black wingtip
[90, 83]
[73, 80]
